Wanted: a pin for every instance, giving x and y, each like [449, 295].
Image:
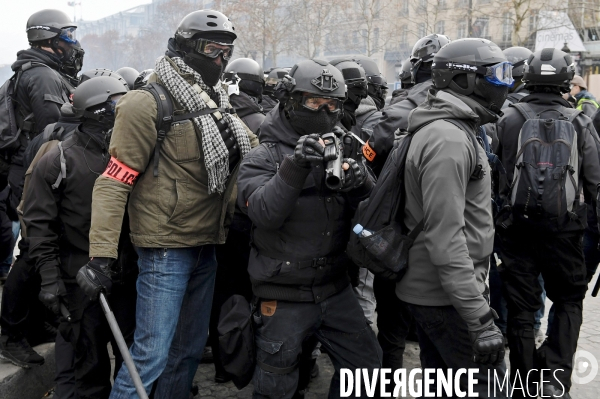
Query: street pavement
[589, 341]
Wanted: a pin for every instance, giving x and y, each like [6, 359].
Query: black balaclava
[423, 73]
[252, 88]
[377, 93]
[307, 122]
[494, 96]
[205, 66]
[355, 96]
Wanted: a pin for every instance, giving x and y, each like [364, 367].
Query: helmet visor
[500, 74]
[68, 35]
[314, 103]
[212, 49]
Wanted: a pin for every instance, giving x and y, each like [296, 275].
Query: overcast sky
[14, 15]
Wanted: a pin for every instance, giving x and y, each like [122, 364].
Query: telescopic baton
[112, 322]
[596, 287]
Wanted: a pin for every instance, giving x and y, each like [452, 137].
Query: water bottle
[361, 231]
[375, 244]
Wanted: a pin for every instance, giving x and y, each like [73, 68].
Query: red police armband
[120, 172]
[368, 152]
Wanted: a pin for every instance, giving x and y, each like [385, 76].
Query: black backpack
[385, 252]
[236, 340]
[13, 122]
[545, 187]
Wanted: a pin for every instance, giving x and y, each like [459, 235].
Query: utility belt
[302, 264]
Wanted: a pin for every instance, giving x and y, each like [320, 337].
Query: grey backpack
[545, 186]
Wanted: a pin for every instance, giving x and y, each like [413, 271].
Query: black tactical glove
[354, 176]
[95, 277]
[488, 345]
[308, 151]
[52, 287]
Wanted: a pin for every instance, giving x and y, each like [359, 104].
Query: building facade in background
[282, 32]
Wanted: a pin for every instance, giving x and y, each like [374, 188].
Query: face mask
[495, 95]
[308, 122]
[206, 67]
[252, 88]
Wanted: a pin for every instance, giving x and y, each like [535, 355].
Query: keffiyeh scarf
[216, 156]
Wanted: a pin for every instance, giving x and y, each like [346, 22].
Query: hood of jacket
[36, 55]
[276, 128]
[244, 104]
[446, 105]
[366, 105]
[584, 94]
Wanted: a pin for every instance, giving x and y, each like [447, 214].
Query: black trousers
[393, 323]
[282, 328]
[89, 334]
[22, 314]
[559, 258]
[445, 344]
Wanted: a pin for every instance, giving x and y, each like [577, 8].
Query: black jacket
[394, 117]
[300, 227]
[58, 220]
[41, 90]
[61, 131]
[248, 110]
[367, 117]
[510, 125]
[268, 103]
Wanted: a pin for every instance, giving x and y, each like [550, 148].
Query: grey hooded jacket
[448, 263]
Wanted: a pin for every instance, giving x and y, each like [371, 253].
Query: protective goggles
[315, 103]
[377, 80]
[499, 74]
[68, 35]
[213, 49]
[112, 103]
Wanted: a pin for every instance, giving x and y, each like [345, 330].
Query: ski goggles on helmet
[68, 35]
[112, 103]
[213, 49]
[499, 74]
[317, 103]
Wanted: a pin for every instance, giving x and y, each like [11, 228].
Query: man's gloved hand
[309, 150]
[95, 277]
[52, 287]
[488, 345]
[355, 174]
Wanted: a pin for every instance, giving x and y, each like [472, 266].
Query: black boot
[19, 352]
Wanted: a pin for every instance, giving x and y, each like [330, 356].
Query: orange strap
[368, 152]
[120, 172]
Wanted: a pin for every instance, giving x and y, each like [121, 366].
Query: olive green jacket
[173, 210]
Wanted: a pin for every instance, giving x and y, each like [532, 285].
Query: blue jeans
[6, 263]
[174, 298]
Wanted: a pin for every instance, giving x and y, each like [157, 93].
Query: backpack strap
[525, 110]
[63, 167]
[478, 171]
[164, 116]
[48, 130]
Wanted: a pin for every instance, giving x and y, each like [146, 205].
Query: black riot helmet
[201, 37]
[356, 86]
[54, 29]
[312, 96]
[549, 67]
[142, 79]
[129, 74]
[405, 75]
[474, 67]
[95, 98]
[517, 56]
[95, 73]
[245, 69]
[275, 75]
[422, 54]
[248, 75]
[377, 85]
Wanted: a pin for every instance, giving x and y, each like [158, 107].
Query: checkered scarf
[216, 155]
